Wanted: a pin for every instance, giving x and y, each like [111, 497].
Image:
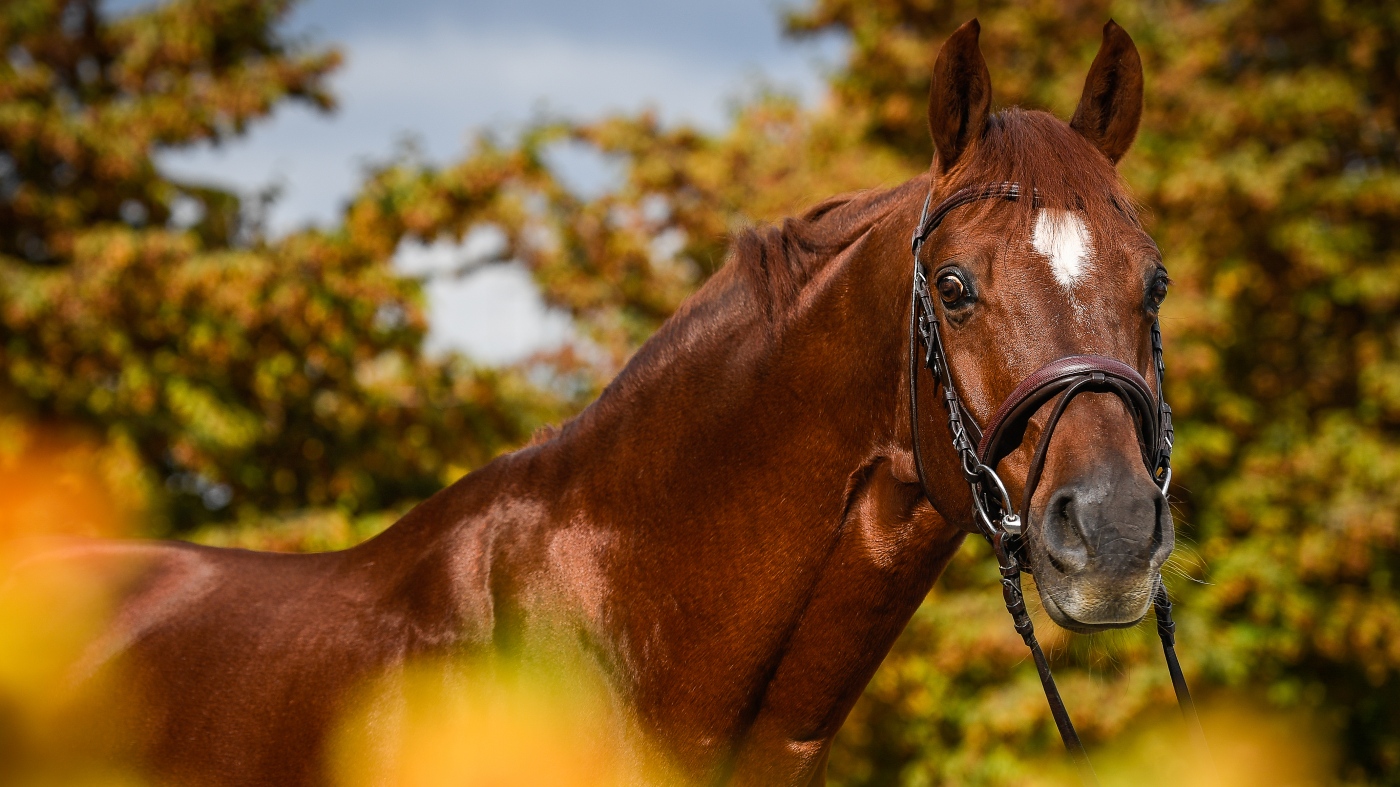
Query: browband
[928, 222]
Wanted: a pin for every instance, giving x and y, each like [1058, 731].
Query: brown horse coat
[730, 538]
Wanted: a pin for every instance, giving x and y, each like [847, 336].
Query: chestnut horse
[733, 535]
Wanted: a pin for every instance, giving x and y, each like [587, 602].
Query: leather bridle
[980, 451]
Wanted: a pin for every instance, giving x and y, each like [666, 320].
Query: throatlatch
[979, 452]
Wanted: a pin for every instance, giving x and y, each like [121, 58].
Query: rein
[979, 452]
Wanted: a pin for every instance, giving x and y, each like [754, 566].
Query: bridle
[979, 451]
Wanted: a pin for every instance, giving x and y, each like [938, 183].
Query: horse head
[1064, 270]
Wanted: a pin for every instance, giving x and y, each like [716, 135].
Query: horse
[732, 536]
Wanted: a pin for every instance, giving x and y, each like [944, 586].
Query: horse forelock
[1054, 162]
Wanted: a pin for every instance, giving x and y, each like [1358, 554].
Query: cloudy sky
[438, 70]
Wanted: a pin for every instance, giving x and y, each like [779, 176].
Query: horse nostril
[1062, 534]
[1116, 527]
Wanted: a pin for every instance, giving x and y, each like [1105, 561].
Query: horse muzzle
[1097, 548]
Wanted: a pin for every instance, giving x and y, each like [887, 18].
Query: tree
[250, 376]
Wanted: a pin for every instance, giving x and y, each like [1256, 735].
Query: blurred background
[272, 273]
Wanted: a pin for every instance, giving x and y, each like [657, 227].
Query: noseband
[980, 451]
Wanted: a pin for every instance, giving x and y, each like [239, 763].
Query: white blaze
[1062, 237]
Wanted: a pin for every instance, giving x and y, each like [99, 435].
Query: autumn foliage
[275, 391]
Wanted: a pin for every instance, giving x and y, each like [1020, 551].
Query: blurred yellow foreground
[467, 725]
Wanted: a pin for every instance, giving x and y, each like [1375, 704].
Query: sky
[438, 71]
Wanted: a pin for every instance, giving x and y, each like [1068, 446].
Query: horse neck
[735, 434]
[738, 429]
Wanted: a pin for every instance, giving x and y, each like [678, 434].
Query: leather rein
[979, 451]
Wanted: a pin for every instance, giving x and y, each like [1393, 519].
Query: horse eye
[951, 289]
[1159, 292]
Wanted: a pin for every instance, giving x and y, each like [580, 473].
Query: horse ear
[960, 96]
[1111, 106]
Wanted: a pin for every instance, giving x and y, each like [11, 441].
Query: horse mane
[778, 260]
